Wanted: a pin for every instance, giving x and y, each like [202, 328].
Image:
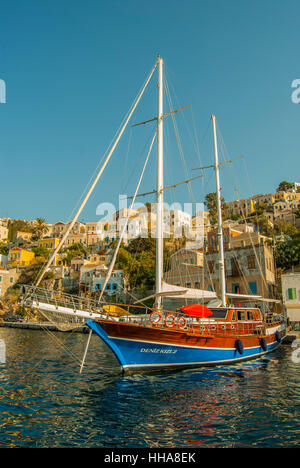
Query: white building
[294, 187]
[3, 260]
[290, 283]
[3, 232]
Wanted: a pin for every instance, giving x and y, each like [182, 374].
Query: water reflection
[45, 402]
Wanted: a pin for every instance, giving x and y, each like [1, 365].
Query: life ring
[170, 320]
[278, 336]
[156, 318]
[263, 344]
[182, 322]
[239, 346]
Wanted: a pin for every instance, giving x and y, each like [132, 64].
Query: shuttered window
[291, 293]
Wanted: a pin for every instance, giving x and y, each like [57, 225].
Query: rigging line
[244, 219]
[208, 270]
[255, 252]
[181, 153]
[168, 157]
[243, 276]
[52, 335]
[126, 160]
[50, 261]
[198, 152]
[177, 100]
[169, 187]
[126, 222]
[135, 166]
[109, 146]
[192, 137]
[40, 270]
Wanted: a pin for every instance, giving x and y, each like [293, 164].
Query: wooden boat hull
[145, 348]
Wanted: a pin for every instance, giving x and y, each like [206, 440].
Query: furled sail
[171, 290]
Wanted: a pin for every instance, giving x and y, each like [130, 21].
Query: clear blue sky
[72, 69]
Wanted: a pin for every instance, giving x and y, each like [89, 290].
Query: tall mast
[219, 211]
[160, 183]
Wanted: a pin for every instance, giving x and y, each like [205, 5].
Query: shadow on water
[45, 402]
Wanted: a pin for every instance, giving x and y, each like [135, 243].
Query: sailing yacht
[156, 338]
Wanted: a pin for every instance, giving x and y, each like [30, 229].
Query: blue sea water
[45, 402]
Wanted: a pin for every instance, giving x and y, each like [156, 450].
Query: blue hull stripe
[133, 354]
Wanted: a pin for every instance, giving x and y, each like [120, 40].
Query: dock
[291, 336]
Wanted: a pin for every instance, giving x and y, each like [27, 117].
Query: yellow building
[49, 243]
[241, 208]
[20, 257]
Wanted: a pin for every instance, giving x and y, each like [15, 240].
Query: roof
[20, 248]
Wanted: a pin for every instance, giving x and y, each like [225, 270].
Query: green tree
[75, 250]
[287, 253]
[282, 227]
[140, 244]
[284, 186]
[41, 252]
[211, 204]
[3, 249]
[137, 261]
[39, 228]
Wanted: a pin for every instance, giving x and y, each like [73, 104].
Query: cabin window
[249, 315]
[233, 316]
[241, 315]
[218, 314]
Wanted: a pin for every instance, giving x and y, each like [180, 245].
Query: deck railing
[145, 316]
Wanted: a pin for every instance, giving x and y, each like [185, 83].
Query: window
[236, 288]
[218, 314]
[252, 287]
[241, 314]
[0, 279]
[235, 269]
[211, 266]
[251, 262]
[249, 315]
[291, 293]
